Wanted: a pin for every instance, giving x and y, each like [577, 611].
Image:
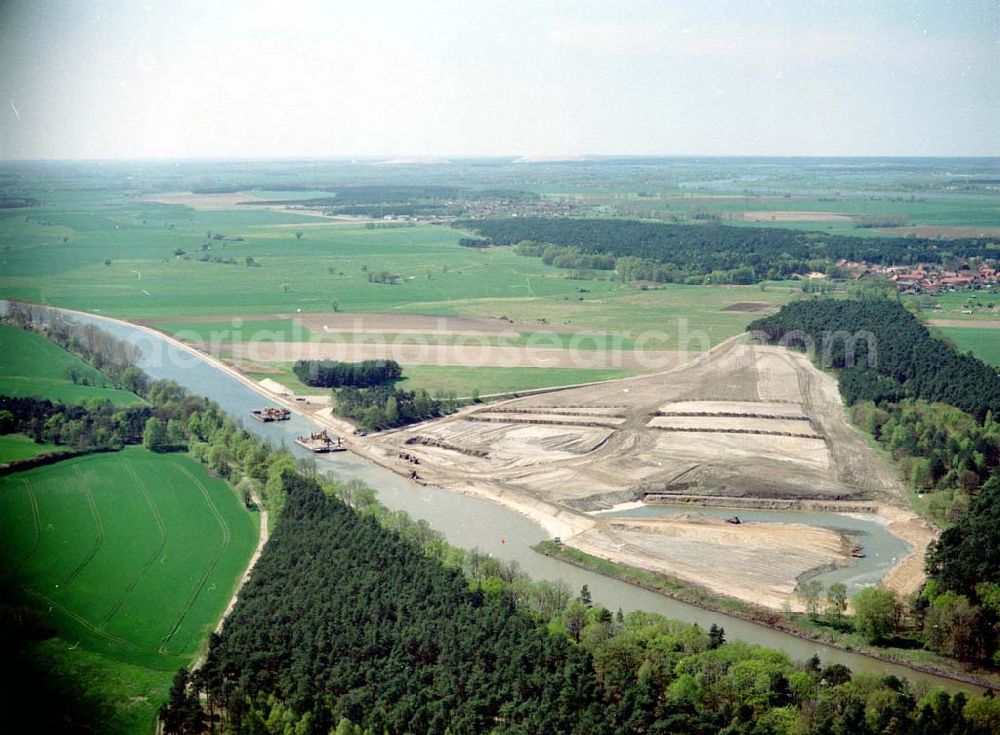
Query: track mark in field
[35, 517]
[152, 557]
[92, 628]
[208, 571]
[99, 541]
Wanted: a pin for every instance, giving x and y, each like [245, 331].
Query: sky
[437, 78]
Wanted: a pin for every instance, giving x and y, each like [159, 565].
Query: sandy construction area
[763, 409]
[759, 561]
[734, 425]
[758, 422]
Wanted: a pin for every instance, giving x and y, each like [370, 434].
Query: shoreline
[690, 594]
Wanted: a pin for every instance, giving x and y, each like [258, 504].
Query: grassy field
[464, 381]
[32, 365]
[133, 556]
[119, 257]
[936, 214]
[983, 343]
[17, 446]
[106, 252]
[966, 306]
[236, 329]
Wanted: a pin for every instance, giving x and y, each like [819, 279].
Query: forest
[687, 253]
[884, 353]
[934, 409]
[349, 625]
[334, 374]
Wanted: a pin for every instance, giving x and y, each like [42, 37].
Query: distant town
[929, 278]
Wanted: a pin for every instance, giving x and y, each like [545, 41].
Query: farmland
[135, 555]
[33, 366]
[983, 342]
[115, 253]
[487, 380]
[16, 446]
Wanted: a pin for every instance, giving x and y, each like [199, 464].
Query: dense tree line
[386, 406]
[96, 424]
[334, 374]
[687, 253]
[349, 627]
[884, 353]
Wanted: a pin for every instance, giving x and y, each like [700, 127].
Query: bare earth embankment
[742, 422]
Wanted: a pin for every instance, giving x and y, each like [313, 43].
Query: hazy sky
[290, 78]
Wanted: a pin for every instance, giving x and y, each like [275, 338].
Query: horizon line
[412, 159]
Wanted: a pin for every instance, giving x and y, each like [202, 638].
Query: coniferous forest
[347, 626]
[888, 354]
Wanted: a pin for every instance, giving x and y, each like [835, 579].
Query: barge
[271, 414]
[320, 442]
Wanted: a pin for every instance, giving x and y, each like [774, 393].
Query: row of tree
[940, 449]
[334, 374]
[676, 252]
[114, 357]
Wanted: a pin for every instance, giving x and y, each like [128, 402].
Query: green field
[966, 306]
[463, 380]
[132, 556]
[34, 366]
[17, 446]
[215, 303]
[983, 343]
[144, 279]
